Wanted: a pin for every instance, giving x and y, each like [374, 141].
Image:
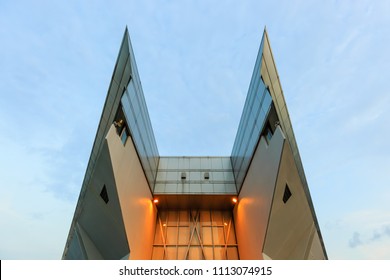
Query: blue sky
[195, 60]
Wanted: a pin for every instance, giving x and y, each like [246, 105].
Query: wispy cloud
[355, 240]
[376, 236]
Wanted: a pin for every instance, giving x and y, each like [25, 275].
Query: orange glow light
[155, 200]
[234, 200]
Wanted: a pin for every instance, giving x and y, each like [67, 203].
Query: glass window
[170, 253]
[181, 252]
[208, 252]
[195, 253]
[218, 235]
[124, 136]
[267, 101]
[184, 217]
[205, 163]
[195, 163]
[217, 176]
[171, 235]
[268, 133]
[219, 253]
[184, 235]
[195, 176]
[217, 239]
[206, 235]
[172, 218]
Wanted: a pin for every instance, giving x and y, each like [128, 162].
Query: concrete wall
[254, 202]
[291, 232]
[98, 221]
[138, 211]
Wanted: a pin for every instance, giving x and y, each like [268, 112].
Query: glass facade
[186, 175]
[195, 235]
[255, 112]
[137, 117]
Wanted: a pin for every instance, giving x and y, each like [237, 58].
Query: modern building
[136, 204]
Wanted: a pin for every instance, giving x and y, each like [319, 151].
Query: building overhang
[195, 201]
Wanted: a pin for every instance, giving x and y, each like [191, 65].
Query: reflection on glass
[137, 118]
[251, 124]
[124, 136]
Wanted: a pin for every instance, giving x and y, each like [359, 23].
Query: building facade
[136, 204]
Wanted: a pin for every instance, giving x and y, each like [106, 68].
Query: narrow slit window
[104, 194]
[268, 133]
[124, 136]
[287, 194]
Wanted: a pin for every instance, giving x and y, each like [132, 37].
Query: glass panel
[228, 176]
[232, 253]
[171, 188]
[181, 252]
[216, 163]
[173, 163]
[217, 176]
[219, 253]
[195, 163]
[178, 229]
[206, 235]
[170, 253]
[163, 163]
[195, 238]
[218, 235]
[171, 235]
[205, 163]
[196, 188]
[161, 176]
[184, 217]
[195, 253]
[184, 235]
[195, 176]
[207, 188]
[172, 176]
[267, 101]
[260, 120]
[208, 252]
[172, 218]
[217, 218]
[226, 163]
[205, 217]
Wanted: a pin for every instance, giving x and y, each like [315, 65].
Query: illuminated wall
[195, 235]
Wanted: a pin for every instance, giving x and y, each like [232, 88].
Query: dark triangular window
[287, 194]
[104, 194]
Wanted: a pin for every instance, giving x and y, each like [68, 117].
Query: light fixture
[234, 200]
[225, 223]
[155, 200]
